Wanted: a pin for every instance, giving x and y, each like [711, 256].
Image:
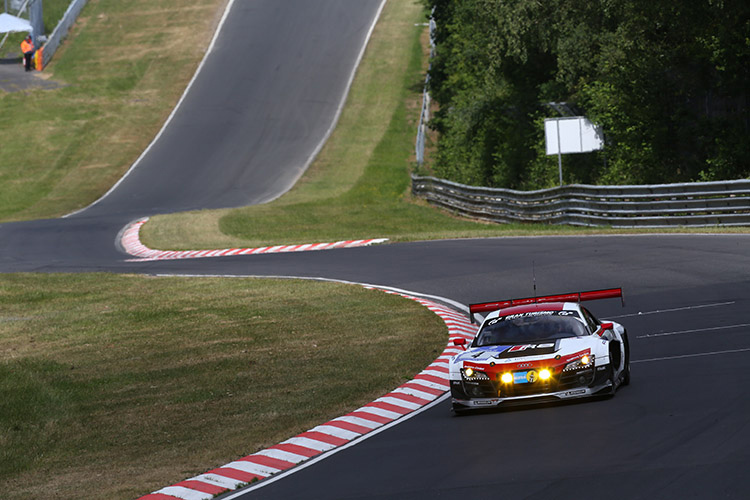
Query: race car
[538, 350]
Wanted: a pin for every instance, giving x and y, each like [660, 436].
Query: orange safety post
[39, 59]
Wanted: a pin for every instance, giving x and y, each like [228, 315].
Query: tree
[667, 81]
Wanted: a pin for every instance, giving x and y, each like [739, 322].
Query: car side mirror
[604, 327]
[460, 342]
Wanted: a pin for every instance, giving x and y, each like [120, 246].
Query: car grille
[490, 387]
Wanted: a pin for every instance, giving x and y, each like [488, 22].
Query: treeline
[666, 80]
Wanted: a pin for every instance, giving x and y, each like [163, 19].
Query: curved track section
[256, 113]
[267, 95]
[252, 119]
[678, 431]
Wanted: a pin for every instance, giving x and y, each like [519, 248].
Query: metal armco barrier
[61, 31]
[700, 204]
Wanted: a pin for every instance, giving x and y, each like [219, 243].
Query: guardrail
[699, 204]
[61, 30]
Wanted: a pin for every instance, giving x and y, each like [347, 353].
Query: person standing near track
[27, 47]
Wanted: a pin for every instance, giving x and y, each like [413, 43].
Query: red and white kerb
[131, 243]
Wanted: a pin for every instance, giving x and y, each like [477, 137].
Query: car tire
[459, 410]
[612, 375]
[626, 370]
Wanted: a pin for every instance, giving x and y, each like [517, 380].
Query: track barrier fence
[698, 204]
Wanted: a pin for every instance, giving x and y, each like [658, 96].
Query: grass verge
[114, 378]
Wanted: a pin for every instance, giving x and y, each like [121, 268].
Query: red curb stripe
[409, 398]
[390, 407]
[371, 416]
[438, 368]
[239, 475]
[296, 449]
[348, 426]
[433, 379]
[276, 463]
[202, 487]
[324, 438]
[423, 388]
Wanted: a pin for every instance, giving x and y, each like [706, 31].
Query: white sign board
[574, 134]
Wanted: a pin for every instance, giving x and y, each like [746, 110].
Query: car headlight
[544, 374]
[506, 378]
[585, 361]
[472, 374]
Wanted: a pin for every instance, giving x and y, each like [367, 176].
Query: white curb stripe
[313, 444]
[359, 421]
[336, 432]
[184, 493]
[282, 455]
[435, 385]
[252, 467]
[417, 394]
[217, 480]
[400, 402]
[428, 384]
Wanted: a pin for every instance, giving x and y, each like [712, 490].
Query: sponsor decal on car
[526, 350]
[577, 392]
[524, 347]
[483, 354]
[483, 402]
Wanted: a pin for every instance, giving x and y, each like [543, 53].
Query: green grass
[141, 382]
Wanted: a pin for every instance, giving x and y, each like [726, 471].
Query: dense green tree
[667, 81]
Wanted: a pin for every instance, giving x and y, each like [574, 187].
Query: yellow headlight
[545, 374]
[506, 378]
[585, 360]
[468, 372]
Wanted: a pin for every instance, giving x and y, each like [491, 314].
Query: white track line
[676, 309]
[695, 330]
[701, 354]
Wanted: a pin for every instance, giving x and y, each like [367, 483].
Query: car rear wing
[609, 293]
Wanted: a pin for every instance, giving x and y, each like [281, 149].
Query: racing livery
[537, 350]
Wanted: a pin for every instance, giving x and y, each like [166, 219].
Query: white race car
[538, 350]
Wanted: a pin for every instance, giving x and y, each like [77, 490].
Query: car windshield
[531, 327]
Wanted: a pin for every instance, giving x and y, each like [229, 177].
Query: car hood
[543, 349]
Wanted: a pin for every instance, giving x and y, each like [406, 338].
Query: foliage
[666, 80]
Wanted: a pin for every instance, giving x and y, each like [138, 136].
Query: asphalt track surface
[680, 430]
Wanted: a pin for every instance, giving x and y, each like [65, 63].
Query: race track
[680, 430]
